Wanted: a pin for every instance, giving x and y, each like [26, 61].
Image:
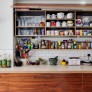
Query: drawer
[4, 87]
[87, 77]
[3, 77]
[46, 77]
[87, 87]
[34, 87]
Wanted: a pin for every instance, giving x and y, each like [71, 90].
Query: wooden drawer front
[87, 87]
[46, 77]
[34, 87]
[87, 77]
[75, 86]
[4, 87]
[3, 77]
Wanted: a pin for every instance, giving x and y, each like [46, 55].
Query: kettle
[53, 61]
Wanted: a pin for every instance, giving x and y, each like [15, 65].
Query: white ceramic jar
[48, 32]
[48, 24]
[57, 24]
[69, 15]
[60, 15]
[56, 32]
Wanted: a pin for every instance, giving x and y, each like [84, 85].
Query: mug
[48, 24]
[48, 32]
[53, 16]
[52, 32]
[52, 23]
[65, 32]
[48, 16]
[57, 24]
[56, 32]
[79, 21]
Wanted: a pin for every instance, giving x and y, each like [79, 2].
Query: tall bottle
[8, 61]
[0, 60]
[4, 61]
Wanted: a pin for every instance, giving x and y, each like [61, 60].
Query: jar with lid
[74, 43]
[56, 45]
[59, 44]
[66, 44]
[63, 45]
[49, 44]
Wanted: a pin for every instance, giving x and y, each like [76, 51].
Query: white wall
[6, 26]
[6, 34]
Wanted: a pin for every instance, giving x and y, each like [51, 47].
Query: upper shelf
[29, 27]
[53, 6]
[85, 27]
[60, 19]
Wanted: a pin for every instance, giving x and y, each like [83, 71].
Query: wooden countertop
[47, 69]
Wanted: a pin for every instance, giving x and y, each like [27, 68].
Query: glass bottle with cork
[0, 60]
[8, 61]
[4, 61]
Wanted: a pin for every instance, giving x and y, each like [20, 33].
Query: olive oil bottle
[8, 61]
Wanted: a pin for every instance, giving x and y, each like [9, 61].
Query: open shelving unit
[35, 21]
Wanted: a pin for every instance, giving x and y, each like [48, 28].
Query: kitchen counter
[47, 69]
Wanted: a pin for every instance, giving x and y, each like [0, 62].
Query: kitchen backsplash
[46, 54]
[62, 54]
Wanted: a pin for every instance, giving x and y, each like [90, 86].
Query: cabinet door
[75, 86]
[51, 82]
[32, 83]
[87, 82]
[3, 83]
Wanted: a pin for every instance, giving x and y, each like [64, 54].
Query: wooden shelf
[60, 27]
[84, 27]
[60, 19]
[28, 35]
[61, 49]
[28, 27]
[46, 35]
[84, 35]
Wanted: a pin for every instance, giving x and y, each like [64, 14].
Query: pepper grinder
[88, 55]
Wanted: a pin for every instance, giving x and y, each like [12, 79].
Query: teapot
[53, 61]
[64, 24]
[57, 24]
[52, 23]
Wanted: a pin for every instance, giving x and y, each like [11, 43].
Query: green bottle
[0, 61]
[9, 61]
[4, 61]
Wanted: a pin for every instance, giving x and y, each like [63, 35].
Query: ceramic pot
[52, 23]
[60, 15]
[53, 61]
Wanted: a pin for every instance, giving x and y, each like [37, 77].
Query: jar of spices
[63, 45]
[59, 44]
[49, 44]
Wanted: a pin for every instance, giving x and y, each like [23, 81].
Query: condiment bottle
[8, 61]
[4, 61]
[59, 45]
[74, 44]
[0, 61]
